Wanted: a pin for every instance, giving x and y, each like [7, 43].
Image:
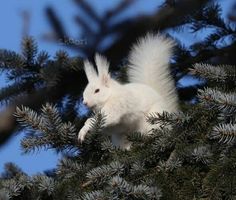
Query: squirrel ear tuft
[89, 71]
[102, 65]
[103, 69]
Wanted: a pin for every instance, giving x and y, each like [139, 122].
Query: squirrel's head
[98, 89]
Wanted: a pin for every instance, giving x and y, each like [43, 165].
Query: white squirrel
[126, 106]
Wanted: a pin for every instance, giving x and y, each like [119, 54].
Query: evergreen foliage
[191, 155]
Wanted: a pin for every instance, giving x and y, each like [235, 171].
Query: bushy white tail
[149, 64]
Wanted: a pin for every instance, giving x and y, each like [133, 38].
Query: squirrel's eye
[96, 91]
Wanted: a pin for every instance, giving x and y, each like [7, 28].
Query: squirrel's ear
[102, 65]
[103, 69]
[89, 71]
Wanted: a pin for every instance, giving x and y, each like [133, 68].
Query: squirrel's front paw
[82, 134]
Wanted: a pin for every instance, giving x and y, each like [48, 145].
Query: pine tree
[35, 78]
[190, 156]
[193, 159]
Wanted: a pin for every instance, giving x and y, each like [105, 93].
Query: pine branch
[137, 168]
[94, 195]
[15, 187]
[34, 143]
[122, 188]
[104, 172]
[95, 137]
[225, 133]
[10, 60]
[48, 129]
[220, 73]
[51, 116]
[29, 50]
[68, 168]
[42, 58]
[98, 122]
[9, 93]
[171, 164]
[224, 102]
[163, 141]
[11, 171]
[44, 184]
[202, 154]
[107, 145]
[165, 118]
[208, 16]
[51, 75]
[29, 118]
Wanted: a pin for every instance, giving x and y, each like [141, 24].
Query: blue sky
[11, 23]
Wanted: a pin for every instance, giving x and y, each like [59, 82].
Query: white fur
[151, 89]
